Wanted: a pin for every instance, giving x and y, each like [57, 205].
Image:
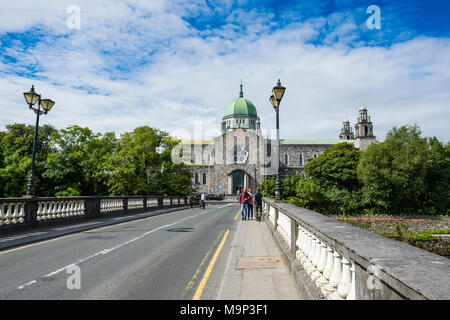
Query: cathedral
[242, 157]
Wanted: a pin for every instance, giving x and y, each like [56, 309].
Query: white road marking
[106, 251]
[26, 285]
[226, 205]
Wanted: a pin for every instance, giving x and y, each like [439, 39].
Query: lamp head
[273, 101]
[278, 91]
[47, 104]
[31, 97]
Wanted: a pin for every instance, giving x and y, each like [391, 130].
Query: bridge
[160, 248]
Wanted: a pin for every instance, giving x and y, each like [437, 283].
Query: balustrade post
[92, 207]
[322, 253]
[294, 235]
[336, 276]
[307, 249]
[299, 243]
[325, 279]
[31, 208]
[345, 285]
[160, 202]
[275, 222]
[125, 204]
[352, 294]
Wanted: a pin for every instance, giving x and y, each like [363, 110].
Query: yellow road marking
[35, 244]
[74, 234]
[199, 269]
[237, 215]
[202, 284]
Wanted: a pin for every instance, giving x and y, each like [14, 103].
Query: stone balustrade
[336, 261]
[16, 213]
[137, 203]
[48, 210]
[12, 212]
[111, 205]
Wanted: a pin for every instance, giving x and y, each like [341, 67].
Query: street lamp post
[275, 100]
[31, 97]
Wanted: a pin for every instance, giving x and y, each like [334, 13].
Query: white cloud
[178, 75]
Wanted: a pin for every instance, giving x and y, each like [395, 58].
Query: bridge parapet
[333, 260]
[16, 213]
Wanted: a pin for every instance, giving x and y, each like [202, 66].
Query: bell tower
[364, 130]
[346, 131]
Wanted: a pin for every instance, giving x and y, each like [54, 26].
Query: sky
[176, 65]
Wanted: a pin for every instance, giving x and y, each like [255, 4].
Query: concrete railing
[333, 260]
[21, 212]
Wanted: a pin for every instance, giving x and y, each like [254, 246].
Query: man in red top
[244, 198]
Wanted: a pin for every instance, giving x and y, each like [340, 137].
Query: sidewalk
[255, 269]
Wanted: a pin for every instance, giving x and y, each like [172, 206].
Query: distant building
[241, 157]
[364, 130]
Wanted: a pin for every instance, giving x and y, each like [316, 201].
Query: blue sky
[173, 64]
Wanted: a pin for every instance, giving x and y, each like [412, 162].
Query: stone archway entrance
[237, 178]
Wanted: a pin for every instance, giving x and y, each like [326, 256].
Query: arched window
[286, 159]
[301, 159]
[209, 158]
[315, 155]
[196, 179]
[204, 178]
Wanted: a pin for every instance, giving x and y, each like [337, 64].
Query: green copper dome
[241, 106]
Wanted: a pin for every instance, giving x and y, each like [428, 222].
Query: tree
[143, 166]
[394, 172]
[335, 167]
[438, 176]
[308, 194]
[289, 186]
[16, 145]
[268, 187]
[77, 166]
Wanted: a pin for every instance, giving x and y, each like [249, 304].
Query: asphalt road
[178, 255]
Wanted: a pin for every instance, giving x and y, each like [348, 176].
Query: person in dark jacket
[257, 204]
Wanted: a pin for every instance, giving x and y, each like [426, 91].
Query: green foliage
[335, 167]
[437, 179]
[69, 192]
[16, 145]
[405, 173]
[289, 186]
[77, 162]
[137, 168]
[268, 188]
[310, 193]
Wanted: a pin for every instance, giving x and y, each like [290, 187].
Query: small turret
[364, 129]
[346, 131]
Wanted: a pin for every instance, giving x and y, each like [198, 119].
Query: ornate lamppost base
[278, 189]
[30, 188]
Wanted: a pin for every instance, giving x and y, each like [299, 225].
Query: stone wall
[366, 266]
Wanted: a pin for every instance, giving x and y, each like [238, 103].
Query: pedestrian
[203, 199]
[191, 202]
[250, 204]
[244, 198]
[257, 203]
